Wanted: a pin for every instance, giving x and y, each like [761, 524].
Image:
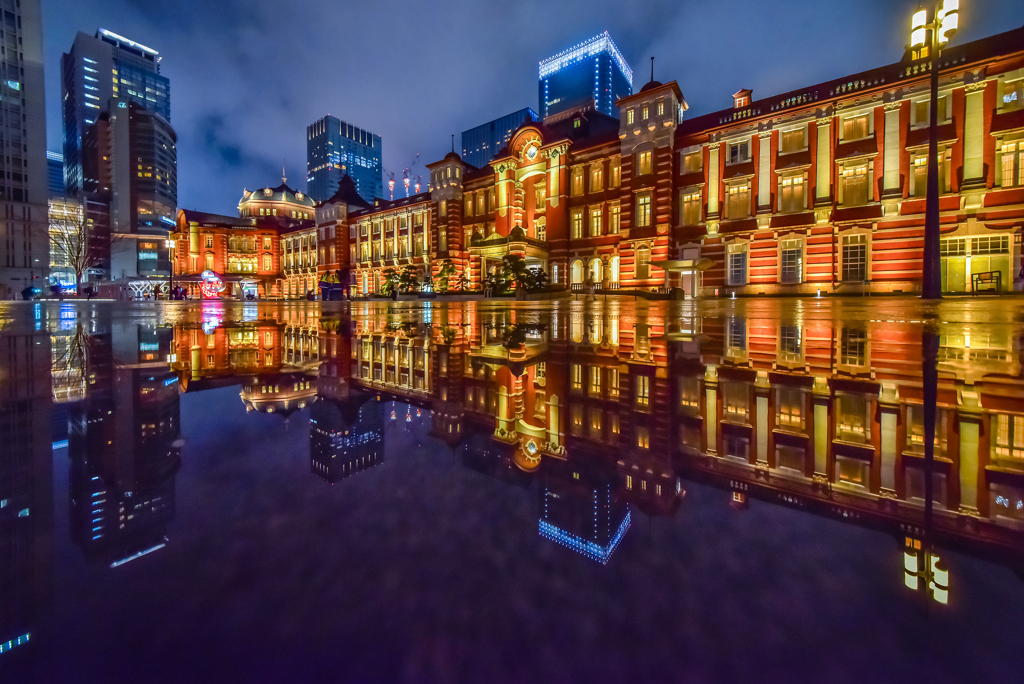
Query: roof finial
[652, 69]
[284, 179]
[453, 142]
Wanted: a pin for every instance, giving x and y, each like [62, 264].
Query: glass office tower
[480, 144]
[335, 148]
[592, 72]
[96, 70]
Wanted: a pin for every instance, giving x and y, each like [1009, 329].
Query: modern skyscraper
[98, 69]
[24, 247]
[334, 148]
[55, 174]
[480, 144]
[120, 153]
[592, 73]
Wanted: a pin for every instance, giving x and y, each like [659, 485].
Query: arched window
[643, 261]
[576, 272]
[596, 271]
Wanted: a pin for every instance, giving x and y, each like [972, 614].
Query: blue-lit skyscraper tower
[592, 72]
[335, 148]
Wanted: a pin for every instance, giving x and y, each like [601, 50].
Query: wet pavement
[728, 490]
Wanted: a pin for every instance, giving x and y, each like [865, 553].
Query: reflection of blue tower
[583, 515]
[345, 437]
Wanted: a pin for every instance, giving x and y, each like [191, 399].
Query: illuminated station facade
[819, 189]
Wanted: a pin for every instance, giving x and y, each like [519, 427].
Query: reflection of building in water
[346, 437]
[281, 393]
[580, 510]
[820, 414]
[124, 446]
[26, 485]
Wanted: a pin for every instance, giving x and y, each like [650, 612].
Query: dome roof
[651, 85]
[452, 155]
[281, 193]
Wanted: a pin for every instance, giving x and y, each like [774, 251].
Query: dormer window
[576, 123]
[742, 98]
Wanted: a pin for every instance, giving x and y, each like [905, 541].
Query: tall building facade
[120, 155]
[480, 144]
[24, 245]
[98, 69]
[55, 174]
[591, 74]
[335, 148]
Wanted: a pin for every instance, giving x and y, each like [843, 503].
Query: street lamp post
[933, 36]
[170, 278]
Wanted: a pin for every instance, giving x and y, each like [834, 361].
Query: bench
[988, 281]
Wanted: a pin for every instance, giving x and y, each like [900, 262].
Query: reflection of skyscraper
[579, 511]
[124, 448]
[26, 515]
[345, 437]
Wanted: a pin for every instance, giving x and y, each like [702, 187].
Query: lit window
[856, 127]
[643, 262]
[576, 184]
[629, 116]
[643, 210]
[614, 216]
[643, 113]
[643, 391]
[736, 401]
[738, 201]
[854, 188]
[616, 175]
[792, 193]
[791, 141]
[577, 223]
[693, 162]
[661, 107]
[643, 163]
[690, 208]
[790, 413]
[1008, 433]
[643, 438]
[595, 221]
[1011, 164]
[596, 177]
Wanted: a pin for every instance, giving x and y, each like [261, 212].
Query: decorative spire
[453, 142]
[284, 179]
[652, 69]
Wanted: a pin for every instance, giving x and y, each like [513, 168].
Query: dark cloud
[247, 77]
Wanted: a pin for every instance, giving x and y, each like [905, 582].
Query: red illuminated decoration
[212, 285]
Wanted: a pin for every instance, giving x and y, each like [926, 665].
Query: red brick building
[821, 188]
[271, 243]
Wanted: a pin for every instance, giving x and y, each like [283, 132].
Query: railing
[577, 287]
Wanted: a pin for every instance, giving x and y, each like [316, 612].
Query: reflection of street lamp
[169, 244]
[928, 39]
[921, 562]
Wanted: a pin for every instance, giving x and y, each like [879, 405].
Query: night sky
[247, 77]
